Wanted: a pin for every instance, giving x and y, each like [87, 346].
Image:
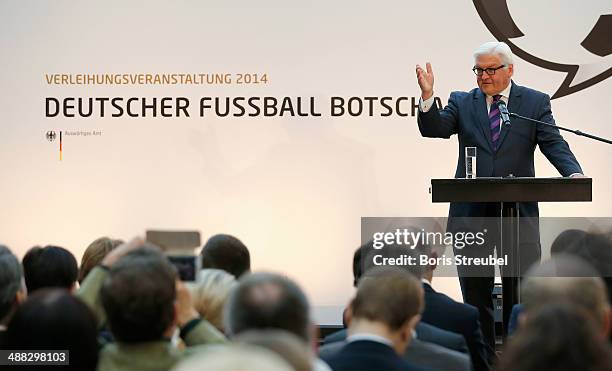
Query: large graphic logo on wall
[575, 38]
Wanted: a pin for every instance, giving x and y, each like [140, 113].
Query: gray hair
[210, 293]
[495, 47]
[566, 279]
[10, 280]
[267, 301]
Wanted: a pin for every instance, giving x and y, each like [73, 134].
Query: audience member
[144, 303]
[383, 316]
[592, 248]
[420, 352]
[596, 249]
[55, 319]
[424, 332]
[567, 240]
[12, 288]
[567, 279]
[95, 252]
[49, 266]
[266, 301]
[556, 337]
[228, 253]
[283, 343]
[441, 310]
[210, 293]
[134, 291]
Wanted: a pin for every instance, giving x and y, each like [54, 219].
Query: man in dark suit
[502, 151]
[383, 316]
[440, 310]
[424, 331]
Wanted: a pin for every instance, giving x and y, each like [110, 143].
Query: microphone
[503, 110]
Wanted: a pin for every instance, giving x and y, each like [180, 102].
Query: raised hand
[426, 80]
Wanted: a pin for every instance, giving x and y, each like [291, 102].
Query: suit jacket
[366, 355]
[419, 353]
[445, 313]
[446, 339]
[466, 115]
[425, 332]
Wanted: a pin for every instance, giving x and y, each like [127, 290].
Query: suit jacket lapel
[481, 116]
[514, 103]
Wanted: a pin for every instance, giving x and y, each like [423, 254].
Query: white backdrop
[293, 189]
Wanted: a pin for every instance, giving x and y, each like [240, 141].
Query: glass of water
[470, 162]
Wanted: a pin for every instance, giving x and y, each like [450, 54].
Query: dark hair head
[358, 263]
[557, 337]
[565, 279]
[228, 253]
[10, 280]
[366, 255]
[567, 240]
[267, 301]
[55, 319]
[49, 266]
[95, 253]
[388, 295]
[596, 249]
[138, 296]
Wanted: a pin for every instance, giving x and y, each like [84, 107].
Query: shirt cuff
[425, 105]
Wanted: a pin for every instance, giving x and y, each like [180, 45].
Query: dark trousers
[477, 283]
[478, 291]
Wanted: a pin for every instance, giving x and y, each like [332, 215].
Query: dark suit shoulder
[445, 338]
[329, 350]
[459, 97]
[436, 357]
[529, 94]
[519, 89]
[368, 355]
[440, 308]
[339, 335]
[447, 300]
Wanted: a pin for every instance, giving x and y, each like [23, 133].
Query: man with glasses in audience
[503, 150]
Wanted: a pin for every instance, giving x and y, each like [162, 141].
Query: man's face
[493, 84]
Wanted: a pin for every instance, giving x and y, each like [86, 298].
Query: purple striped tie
[494, 121]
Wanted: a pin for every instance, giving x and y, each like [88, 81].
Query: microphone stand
[577, 132]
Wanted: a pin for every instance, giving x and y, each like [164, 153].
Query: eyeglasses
[490, 71]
